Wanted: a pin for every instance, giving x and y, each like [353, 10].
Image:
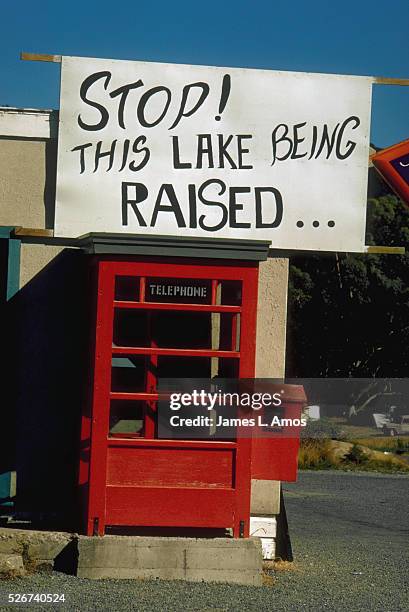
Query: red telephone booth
[166, 309]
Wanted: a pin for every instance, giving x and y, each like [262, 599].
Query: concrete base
[139, 557]
[40, 550]
[265, 528]
[195, 559]
[11, 564]
[265, 510]
[35, 546]
[265, 497]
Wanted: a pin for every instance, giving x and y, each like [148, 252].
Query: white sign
[177, 150]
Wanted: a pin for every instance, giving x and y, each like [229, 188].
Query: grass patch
[283, 566]
[10, 574]
[267, 579]
[388, 464]
[272, 567]
[321, 454]
[392, 445]
[314, 454]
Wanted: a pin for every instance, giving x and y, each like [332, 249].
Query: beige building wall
[27, 182]
[272, 318]
[34, 258]
[22, 181]
[270, 360]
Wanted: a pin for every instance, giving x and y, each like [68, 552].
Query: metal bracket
[95, 526]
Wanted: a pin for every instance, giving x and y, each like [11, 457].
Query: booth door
[164, 321]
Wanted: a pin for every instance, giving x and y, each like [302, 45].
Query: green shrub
[356, 455]
[323, 428]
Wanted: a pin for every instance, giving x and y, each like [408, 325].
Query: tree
[348, 314]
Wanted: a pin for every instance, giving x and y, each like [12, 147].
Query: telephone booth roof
[171, 246]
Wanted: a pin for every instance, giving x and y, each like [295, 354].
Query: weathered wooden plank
[30, 231]
[173, 352]
[171, 467]
[391, 81]
[176, 306]
[392, 250]
[170, 506]
[39, 57]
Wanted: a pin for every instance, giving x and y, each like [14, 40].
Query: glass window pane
[128, 374]
[181, 329]
[127, 288]
[231, 293]
[131, 328]
[126, 417]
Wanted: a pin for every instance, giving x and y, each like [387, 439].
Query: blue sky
[360, 37]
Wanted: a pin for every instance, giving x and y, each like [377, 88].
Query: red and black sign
[393, 164]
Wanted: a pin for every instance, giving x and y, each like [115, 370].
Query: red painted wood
[276, 458]
[100, 406]
[142, 289]
[177, 444]
[162, 268]
[214, 292]
[86, 417]
[170, 507]
[246, 370]
[172, 467]
[119, 395]
[151, 386]
[172, 352]
[234, 326]
[179, 307]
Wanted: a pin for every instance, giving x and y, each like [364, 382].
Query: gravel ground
[350, 540]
